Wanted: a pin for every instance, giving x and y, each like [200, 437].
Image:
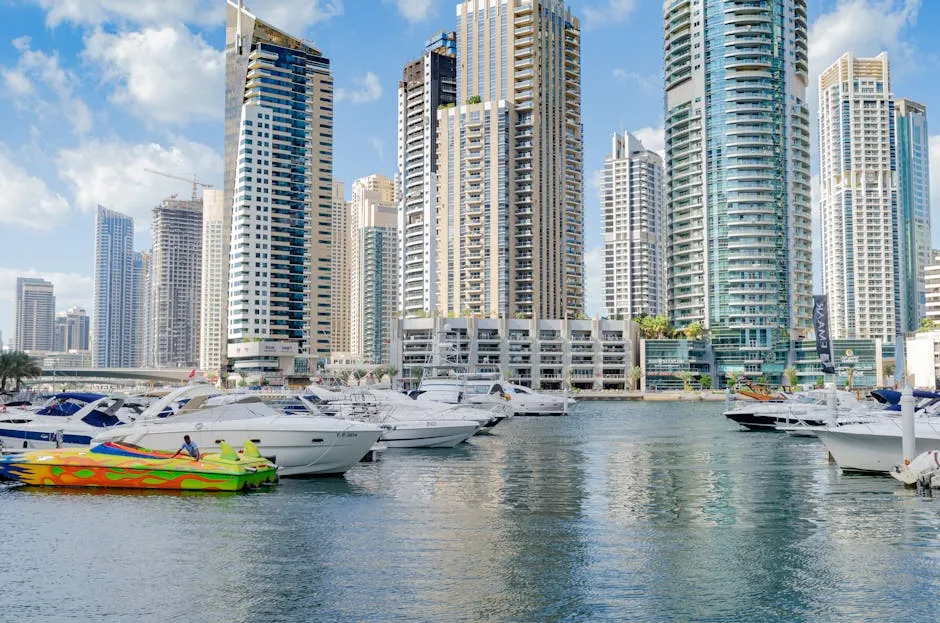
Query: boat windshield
[101, 419]
[64, 405]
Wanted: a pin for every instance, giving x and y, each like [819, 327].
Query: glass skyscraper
[739, 256]
[118, 317]
[913, 154]
[278, 180]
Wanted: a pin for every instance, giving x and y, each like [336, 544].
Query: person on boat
[189, 447]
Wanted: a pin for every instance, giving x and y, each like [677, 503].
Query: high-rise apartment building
[115, 342]
[372, 223]
[339, 252]
[142, 337]
[427, 84]
[634, 229]
[862, 242]
[175, 280]
[213, 318]
[278, 178]
[72, 330]
[932, 287]
[510, 171]
[913, 152]
[739, 254]
[34, 314]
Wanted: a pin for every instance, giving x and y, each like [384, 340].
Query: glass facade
[737, 181]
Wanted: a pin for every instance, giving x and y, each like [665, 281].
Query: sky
[94, 92]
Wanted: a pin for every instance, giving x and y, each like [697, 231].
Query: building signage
[823, 337]
[262, 349]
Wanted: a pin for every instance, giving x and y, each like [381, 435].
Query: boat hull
[770, 421]
[82, 468]
[430, 436]
[298, 453]
[878, 453]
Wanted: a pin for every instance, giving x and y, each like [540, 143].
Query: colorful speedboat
[126, 466]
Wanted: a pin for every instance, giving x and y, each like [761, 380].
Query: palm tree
[634, 375]
[16, 365]
[849, 377]
[687, 378]
[732, 378]
[359, 375]
[791, 376]
[705, 380]
[694, 331]
[392, 372]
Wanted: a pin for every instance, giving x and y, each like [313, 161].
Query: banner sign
[821, 327]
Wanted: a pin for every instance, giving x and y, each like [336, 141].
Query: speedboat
[301, 445]
[68, 419]
[114, 465]
[875, 445]
[404, 424]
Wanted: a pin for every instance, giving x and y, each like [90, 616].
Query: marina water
[619, 512]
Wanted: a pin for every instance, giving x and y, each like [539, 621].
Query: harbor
[620, 511]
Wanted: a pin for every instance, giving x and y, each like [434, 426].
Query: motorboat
[123, 466]
[875, 445]
[301, 445]
[487, 390]
[923, 471]
[70, 419]
[404, 424]
[808, 409]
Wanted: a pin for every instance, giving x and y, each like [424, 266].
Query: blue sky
[95, 91]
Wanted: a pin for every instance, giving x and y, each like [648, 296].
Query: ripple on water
[654, 512]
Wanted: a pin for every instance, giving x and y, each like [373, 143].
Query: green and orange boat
[126, 466]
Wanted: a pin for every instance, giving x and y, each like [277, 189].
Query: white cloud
[414, 10]
[26, 201]
[864, 27]
[654, 139]
[37, 78]
[168, 74]
[293, 15]
[611, 12]
[368, 89]
[594, 282]
[378, 145]
[114, 174]
[71, 289]
[649, 84]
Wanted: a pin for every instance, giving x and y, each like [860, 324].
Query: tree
[654, 327]
[791, 376]
[927, 324]
[705, 381]
[820, 382]
[359, 375]
[392, 372]
[694, 331]
[687, 377]
[474, 99]
[634, 375]
[888, 370]
[16, 366]
[732, 378]
[849, 377]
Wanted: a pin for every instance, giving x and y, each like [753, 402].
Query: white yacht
[484, 389]
[875, 446]
[807, 409]
[67, 419]
[301, 445]
[406, 423]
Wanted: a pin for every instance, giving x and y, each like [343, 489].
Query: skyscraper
[116, 337]
[913, 152]
[213, 317]
[72, 330]
[339, 252]
[739, 256]
[634, 232]
[510, 188]
[142, 336]
[34, 314]
[427, 84]
[278, 178]
[175, 280]
[862, 245]
[372, 267]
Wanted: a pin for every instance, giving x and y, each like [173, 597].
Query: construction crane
[195, 181]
